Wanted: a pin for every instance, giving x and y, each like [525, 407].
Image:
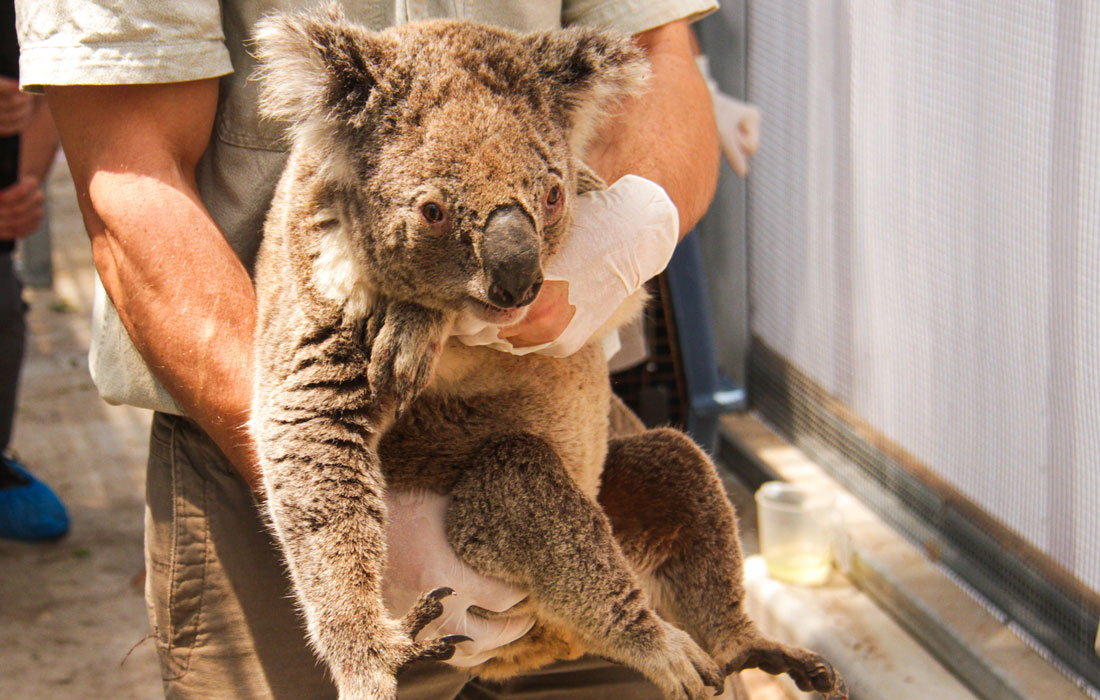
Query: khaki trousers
[220, 603]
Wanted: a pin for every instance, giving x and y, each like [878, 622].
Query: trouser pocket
[176, 546]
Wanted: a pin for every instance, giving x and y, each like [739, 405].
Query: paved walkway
[73, 609]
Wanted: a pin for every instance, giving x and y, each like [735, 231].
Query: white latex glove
[621, 238]
[738, 123]
[419, 559]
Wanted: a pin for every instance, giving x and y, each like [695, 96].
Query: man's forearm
[186, 301]
[180, 290]
[666, 135]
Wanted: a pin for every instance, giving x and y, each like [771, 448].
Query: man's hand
[419, 559]
[738, 123]
[16, 108]
[548, 317]
[21, 208]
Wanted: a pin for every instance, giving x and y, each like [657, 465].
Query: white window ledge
[897, 627]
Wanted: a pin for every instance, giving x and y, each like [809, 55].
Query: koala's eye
[432, 212]
[553, 196]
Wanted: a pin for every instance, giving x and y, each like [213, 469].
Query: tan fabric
[101, 42]
[107, 42]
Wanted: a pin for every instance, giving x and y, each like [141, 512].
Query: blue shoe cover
[30, 511]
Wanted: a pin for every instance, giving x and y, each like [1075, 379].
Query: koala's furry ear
[318, 66]
[588, 70]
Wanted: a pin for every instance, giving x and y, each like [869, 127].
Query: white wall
[925, 238]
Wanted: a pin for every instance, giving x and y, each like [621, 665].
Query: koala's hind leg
[518, 516]
[674, 523]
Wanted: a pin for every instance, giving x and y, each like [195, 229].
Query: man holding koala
[174, 172]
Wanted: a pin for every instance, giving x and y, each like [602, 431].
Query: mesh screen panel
[924, 225]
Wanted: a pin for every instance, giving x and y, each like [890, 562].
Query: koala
[431, 175]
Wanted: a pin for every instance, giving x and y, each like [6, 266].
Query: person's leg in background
[29, 510]
[13, 334]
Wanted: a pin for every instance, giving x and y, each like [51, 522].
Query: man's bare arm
[667, 134]
[181, 292]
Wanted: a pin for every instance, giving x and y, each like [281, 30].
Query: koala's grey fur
[360, 388]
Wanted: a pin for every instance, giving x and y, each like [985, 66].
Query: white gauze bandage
[622, 237]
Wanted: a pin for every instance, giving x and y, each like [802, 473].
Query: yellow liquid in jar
[800, 566]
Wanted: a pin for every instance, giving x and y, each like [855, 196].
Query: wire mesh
[924, 231]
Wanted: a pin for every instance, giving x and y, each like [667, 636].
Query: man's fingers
[492, 594]
[491, 634]
[547, 318]
[13, 229]
[540, 333]
[25, 189]
[22, 206]
[488, 636]
[16, 107]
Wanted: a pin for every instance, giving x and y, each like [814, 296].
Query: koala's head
[450, 148]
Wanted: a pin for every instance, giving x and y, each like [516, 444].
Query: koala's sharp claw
[440, 649]
[456, 639]
[714, 680]
[426, 609]
[841, 690]
[441, 593]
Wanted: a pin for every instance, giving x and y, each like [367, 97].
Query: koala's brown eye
[553, 197]
[432, 212]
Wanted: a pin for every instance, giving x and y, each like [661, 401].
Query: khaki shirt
[112, 42]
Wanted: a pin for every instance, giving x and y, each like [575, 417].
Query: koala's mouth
[494, 314]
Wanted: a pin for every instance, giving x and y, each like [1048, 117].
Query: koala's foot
[808, 670]
[427, 609]
[378, 680]
[681, 669]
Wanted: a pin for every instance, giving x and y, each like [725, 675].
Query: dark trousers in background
[13, 334]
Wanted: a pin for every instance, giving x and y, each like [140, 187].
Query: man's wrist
[668, 134]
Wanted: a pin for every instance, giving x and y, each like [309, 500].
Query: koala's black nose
[510, 255]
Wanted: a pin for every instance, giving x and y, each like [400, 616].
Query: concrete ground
[72, 610]
[73, 624]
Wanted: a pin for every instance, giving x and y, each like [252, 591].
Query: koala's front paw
[808, 670]
[405, 341]
[682, 670]
[428, 608]
[379, 680]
